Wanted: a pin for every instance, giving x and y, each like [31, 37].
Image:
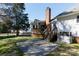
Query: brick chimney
[48, 18]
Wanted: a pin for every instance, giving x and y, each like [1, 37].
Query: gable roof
[68, 12]
[63, 14]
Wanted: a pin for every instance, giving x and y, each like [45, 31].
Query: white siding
[68, 24]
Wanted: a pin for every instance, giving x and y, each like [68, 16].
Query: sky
[37, 10]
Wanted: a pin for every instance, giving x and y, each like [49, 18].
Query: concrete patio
[36, 47]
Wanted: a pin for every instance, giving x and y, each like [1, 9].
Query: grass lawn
[8, 47]
[12, 39]
[66, 50]
[8, 44]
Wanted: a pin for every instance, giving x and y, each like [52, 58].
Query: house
[38, 26]
[68, 23]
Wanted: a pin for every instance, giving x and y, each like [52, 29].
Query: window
[78, 19]
[34, 26]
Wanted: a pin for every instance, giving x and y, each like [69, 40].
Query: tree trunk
[17, 32]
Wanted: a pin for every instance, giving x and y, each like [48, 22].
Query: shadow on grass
[10, 50]
[4, 37]
[66, 50]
